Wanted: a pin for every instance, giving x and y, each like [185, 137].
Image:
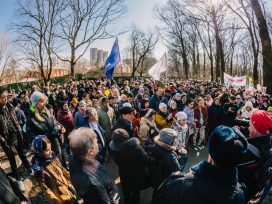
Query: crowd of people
[147, 128]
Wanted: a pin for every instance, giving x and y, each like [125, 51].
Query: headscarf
[39, 161]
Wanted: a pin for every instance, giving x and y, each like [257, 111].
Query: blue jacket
[155, 102]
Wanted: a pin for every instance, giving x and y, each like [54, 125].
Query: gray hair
[81, 140]
[89, 112]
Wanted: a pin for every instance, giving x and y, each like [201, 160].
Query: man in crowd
[88, 176]
[11, 137]
[157, 98]
[230, 112]
[258, 153]
[125, 120]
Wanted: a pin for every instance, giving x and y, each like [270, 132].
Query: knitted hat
[141, 90]
[139, 97]
[177, 95]
[127, 104]
[35, 97]
[162, 105]
[167, 136]
[181, 116]
[261, 121]
[120, 140]
[227, 146]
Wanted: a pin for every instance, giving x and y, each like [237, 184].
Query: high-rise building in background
[93, 56]
[98, 57]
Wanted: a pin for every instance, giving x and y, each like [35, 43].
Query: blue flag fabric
[113, 59]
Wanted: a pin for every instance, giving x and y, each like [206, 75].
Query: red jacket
[204, 111]
[66, 119]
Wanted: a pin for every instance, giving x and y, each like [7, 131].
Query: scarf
[39, 161]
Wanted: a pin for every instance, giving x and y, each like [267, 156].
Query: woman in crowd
[74, 106]
[163, 119]
[201, 119]
[148, 128]
[87, 100]
[52, 177]
[42, 122]
[247, 110]
[173, 109]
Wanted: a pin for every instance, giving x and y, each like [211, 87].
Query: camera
[243, 125]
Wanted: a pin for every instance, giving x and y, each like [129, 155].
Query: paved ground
[146, 195]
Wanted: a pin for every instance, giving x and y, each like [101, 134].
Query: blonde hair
[37, 112]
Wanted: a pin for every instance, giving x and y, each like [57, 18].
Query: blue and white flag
[113, 60]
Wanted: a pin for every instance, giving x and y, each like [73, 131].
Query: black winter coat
[132, 162]
[9, 191]
[208, 185]
[229, 116]
[215, 113]
[94, 188]
[121, 123]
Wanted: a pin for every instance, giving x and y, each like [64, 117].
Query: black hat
[126, 110]
[227, 146]
[232, 97]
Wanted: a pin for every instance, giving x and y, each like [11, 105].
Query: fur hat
[162, 105]
[181, 116]
[227, 146]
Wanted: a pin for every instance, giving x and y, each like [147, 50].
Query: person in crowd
[132, 161]
[11, 137]
[88, 176]
[181, 127]
[42, 122]
[247, 110]
[264, 105]
[201, 119]
[25, 105]
[74, 106]
[87, 100]
[239, 101]
[163, 119]
[96, 104]
[259, 151]
[230, 110]
[144, 107]
[173, 109]
[269, 111]
[189, 111]
[212, 181]
[156, 99]
[215, 113]
[148, 129]
[9, 191]
[65, 118]
[224, 98]
[179, 103]
[208, 100]
[93, 122]
[52, 177]
[138, 102]
[192, 93]
[20, 115]
[168, 157]
[80, 115]
[125, 120]
[106, 117]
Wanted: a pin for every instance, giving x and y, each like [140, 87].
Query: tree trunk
[266, 45]
[72, 62]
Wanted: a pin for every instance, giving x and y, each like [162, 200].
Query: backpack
[263, 174]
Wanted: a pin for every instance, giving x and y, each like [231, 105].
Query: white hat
[181, 116]
[127, 104]
[162, 105]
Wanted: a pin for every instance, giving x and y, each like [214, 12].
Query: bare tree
[266, 44]
[82, 22]
[6, 56]
[36, 24]
[140, 46]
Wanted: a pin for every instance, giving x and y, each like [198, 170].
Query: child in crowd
[181, 127]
